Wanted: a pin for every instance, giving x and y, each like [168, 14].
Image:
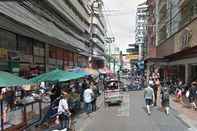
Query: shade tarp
[105, 70]
[79, 71]
[56, 75]
[7, 79]
[91, 71]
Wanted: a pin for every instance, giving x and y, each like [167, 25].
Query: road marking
[124, 109]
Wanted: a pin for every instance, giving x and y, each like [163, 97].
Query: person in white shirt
[88, 97]
[63, 111]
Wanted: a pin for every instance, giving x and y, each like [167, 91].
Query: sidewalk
[81, 119]
[185, 112]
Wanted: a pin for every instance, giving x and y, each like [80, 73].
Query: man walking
[149, 98]
[88, 97]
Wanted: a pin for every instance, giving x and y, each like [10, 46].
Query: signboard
[3, 53]
[132, 57]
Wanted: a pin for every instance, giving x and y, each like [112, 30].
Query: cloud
[121, 15]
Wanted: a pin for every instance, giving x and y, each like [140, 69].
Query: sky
[120, 14]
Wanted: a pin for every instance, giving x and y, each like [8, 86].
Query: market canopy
[7, 79]
[91, 71]
[80, 71]
[105, 70]
[56, 75]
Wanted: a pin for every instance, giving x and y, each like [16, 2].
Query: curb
[183, 118]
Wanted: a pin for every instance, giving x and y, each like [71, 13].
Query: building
[99, 33]
[177, 41]
[141, 29]
[36, 36]
[150, 56]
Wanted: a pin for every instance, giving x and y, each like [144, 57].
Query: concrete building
[99, 33]
[36, 36]
[150, 56]
[141, 29]
[177, 41]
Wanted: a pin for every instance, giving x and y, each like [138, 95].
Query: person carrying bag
[63, 112]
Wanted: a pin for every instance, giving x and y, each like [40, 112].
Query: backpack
[166, 95]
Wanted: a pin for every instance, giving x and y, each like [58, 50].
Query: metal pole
[109, 55]
[114, 65]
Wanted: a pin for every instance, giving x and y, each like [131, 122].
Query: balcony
[80, 9]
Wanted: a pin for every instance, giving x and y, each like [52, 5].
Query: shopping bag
[187, 94]
[57, 121]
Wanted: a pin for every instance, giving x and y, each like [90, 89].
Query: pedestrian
[94, 97]
[149, 98]
[193, 94]
[88, 97]
[156, 88]
[63, 111]
[165, 99]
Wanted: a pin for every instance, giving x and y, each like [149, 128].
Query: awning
[56, 75]
[105, 70]
[7, 79]
[91, 71]
[79, 71]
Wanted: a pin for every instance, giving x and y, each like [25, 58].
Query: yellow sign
[3, 53]
[132, 57]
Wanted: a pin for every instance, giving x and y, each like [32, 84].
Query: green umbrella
[55, 75]
[7, 79]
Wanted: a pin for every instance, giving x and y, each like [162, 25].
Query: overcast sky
[121, 16]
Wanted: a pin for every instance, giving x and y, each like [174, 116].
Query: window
[25, 45]
[7, 40]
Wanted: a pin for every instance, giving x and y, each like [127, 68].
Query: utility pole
[110, 40]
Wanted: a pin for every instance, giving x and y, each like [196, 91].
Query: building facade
[150, 56]
[36, 36]
[141, 29]
[99, 33]
[177, 43]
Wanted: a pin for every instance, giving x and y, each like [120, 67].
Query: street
[131, 115]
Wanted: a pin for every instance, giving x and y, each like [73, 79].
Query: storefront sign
[3, 53]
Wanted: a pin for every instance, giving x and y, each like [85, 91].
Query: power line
[109, 24]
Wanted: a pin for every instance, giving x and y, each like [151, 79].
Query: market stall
[62, 79]
[91, 71]
[14, 104]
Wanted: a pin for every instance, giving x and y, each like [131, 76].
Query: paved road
[131, 116]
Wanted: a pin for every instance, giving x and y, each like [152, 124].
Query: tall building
[176, 43]
[150, 56]
[99, 29]
[36, 36]
[140, 35]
